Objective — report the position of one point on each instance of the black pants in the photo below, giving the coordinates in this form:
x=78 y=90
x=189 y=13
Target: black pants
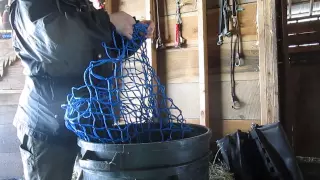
x=47 y=161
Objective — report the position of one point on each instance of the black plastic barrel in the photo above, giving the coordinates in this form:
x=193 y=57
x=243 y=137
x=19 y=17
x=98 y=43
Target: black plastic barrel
x=184 y=159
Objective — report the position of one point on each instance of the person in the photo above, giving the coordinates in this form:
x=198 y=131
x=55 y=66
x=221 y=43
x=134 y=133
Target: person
x=56 y=40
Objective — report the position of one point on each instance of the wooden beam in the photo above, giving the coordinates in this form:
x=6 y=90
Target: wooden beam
x=229 y=126
x=203 y=62
x=268 y=60
x=108 y=6
x=151 y=43
x=306 y=38
x=304 y=27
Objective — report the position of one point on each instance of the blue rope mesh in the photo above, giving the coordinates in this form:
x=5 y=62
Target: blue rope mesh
x=129 y=105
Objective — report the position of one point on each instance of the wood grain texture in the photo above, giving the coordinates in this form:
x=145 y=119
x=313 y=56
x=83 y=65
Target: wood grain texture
x=219 y=58
x=168 y=7
x=151 y=45
x=231 y=126
x=247 y=20
x=268 y=61
x=221 y=102
x=203 y=63
x=135 y=8
x=181 y=66
x=189 y=29
x=228 y=126
x=247 y=23
x=109 y=6
x=186 y=97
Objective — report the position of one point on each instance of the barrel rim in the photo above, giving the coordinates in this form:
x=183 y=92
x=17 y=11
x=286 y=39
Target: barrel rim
x=94 y=146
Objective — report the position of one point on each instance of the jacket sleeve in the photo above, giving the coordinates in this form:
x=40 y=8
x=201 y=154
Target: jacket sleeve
x=57 y=43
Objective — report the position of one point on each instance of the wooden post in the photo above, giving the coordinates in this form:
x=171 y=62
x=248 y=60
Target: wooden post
x=203 y=62
x=151 y=47
x=268 y=60
x=108 y=6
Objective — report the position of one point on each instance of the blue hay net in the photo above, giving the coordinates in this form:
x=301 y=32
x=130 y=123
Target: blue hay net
x=127 y=106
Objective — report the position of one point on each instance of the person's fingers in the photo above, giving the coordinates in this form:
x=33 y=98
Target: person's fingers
x=150 y=29
x=129 y=36
x=132 y=21
x=130 y=30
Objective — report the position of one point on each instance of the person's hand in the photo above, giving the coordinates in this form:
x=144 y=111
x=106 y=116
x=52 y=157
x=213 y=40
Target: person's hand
x=151 y=27
x=123 y=23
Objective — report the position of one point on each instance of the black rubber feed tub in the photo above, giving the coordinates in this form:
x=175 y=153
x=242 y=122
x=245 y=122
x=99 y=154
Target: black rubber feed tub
x=185 y=159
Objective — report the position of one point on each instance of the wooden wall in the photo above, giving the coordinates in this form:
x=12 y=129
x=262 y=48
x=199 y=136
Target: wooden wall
x=11 y=82
x=246 y=76
x=178 y=68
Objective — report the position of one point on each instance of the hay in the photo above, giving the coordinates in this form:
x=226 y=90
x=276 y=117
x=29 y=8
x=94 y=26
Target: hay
x=219 y=172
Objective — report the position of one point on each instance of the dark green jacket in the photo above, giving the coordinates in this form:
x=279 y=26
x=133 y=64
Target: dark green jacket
x=55 y=40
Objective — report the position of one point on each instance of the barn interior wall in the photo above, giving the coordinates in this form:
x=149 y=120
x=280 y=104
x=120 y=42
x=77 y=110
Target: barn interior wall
x=178 y=68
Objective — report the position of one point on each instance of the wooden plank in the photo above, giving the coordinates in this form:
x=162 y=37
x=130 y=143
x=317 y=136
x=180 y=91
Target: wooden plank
x=185 y=97
x=228 y=126
x=304 y=49
x=221 y=103
x=231 y=126
x=151 y=45
x=203 y=62
x=268 y=61
x=303 y=27
x=288 y=78
x=247 y=23
x=108 y=6
x=219 y=58
x=181 y=66
x=242 y=76
x=189 y=29
x=168 y=8
x=190 y=26
x=307 y=38
x=135 y=8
